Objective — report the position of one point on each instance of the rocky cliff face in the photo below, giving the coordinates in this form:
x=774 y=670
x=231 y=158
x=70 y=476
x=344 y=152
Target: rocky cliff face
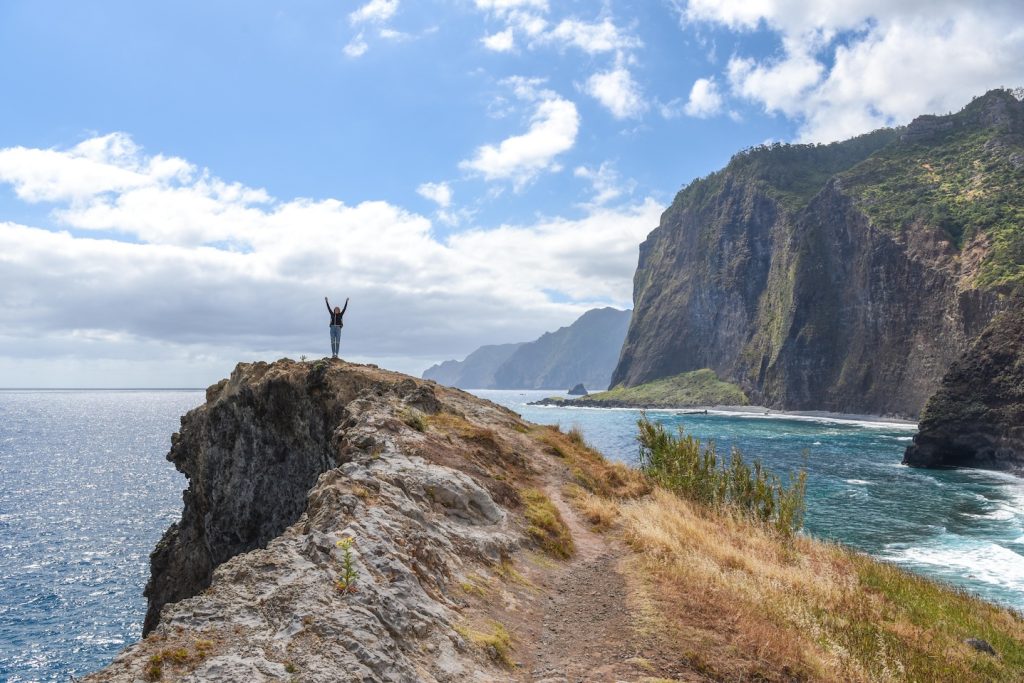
x=283 y=461
x=976 y=418
x=844 y=277
x=584 y=352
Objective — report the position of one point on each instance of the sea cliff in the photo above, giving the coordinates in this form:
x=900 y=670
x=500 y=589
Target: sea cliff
x=845 y=277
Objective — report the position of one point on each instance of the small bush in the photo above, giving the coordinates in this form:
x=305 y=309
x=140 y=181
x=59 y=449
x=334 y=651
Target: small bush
x=414 y=419
x=347 y=580
x=546 y=524
x=682 y=465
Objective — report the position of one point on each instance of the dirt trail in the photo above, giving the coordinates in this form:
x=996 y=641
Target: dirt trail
x=579 y=625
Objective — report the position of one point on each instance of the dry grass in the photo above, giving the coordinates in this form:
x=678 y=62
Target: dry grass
x=454 y=425
x=810 y=610
x=178 y=657
x=495 y=641
x=546 y=525
x=589 y=468
x=601 y=512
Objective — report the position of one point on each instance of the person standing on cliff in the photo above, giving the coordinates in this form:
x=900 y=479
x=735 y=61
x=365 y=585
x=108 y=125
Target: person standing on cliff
x=336 y=324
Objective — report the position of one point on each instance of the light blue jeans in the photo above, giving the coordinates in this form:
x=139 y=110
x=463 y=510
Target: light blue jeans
x=335 y=339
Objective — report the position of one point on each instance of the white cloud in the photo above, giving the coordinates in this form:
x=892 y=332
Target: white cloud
x=439 y=193
x=177 y=294
x=356 y=47
x=374 y=11
x=505 y=6
x=618 y=92
x=502 y=41
x=553 y=128
x=592 y=37
x=605 y=182
x=705 y=100
x=849 y=67
x=392 y=34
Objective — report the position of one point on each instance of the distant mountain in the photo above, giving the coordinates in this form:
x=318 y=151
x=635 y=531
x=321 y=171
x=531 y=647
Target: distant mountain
x=584 y=352
x=476 y=371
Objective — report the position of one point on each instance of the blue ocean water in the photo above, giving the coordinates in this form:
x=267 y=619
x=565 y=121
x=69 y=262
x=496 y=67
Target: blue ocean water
x=85 y=492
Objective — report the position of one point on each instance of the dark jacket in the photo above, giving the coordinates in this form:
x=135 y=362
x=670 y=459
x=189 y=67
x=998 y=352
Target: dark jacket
x=336 y=317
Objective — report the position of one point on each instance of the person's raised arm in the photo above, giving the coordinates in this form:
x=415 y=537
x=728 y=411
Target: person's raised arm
x=345 y=307
x=328 y=305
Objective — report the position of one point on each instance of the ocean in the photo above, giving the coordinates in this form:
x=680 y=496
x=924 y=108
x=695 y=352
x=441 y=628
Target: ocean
x=85 y=493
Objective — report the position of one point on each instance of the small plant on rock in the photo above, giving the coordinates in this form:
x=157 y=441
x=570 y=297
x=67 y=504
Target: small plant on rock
x=347 y=581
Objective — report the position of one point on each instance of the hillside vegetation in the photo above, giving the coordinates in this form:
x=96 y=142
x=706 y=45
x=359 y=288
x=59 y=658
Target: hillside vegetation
x=748 y=601
x=688 y=389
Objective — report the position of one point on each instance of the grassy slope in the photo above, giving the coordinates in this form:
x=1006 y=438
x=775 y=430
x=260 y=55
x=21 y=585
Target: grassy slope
x=696 y=388
x=749 y=604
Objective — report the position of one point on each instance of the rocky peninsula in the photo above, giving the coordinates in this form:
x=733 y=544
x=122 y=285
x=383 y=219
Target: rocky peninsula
x=346 y=523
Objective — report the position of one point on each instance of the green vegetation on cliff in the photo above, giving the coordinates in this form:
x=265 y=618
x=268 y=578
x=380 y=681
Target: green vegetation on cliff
x=962 y=173
x=688 y=389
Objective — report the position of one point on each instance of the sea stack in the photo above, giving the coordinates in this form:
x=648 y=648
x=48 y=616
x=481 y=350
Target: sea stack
x=976 y=418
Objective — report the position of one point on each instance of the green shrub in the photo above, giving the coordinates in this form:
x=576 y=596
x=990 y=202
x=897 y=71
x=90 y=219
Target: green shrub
x=694 y=471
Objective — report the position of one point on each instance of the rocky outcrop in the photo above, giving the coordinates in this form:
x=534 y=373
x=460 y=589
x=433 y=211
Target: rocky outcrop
x=844 y=277
x=578 y=390
x=583 y=352
x=287 y=459
x=976 y=418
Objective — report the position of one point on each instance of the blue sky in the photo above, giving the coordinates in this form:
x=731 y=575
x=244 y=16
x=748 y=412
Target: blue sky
x=181 y=183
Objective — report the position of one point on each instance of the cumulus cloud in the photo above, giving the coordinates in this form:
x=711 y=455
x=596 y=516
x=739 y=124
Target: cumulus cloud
x=214 y=270
x=705 y=100
x=618 y=92
x=439 y=193
x=502 y=41
x=374 y=11
x=553 y=128
x=845 y=68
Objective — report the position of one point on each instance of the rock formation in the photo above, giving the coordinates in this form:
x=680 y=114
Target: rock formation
x=578 y=390
x=584 y=352
x=844 y=277
x=976 y=418
x=286 y=459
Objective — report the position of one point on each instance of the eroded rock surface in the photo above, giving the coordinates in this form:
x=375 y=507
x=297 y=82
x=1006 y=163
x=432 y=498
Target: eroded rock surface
x=285 y=460
x=976 y=419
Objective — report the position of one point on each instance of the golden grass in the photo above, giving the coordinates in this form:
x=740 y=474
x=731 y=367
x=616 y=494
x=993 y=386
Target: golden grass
x=495 y=641
x=454 y=425
x=813 y=610
x=601 y=512
x=546 y=525
x=589 y=468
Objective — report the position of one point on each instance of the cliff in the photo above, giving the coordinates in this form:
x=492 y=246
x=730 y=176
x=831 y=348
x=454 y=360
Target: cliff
x=443 y=539
x=976 y=418
x=844 y=277
x=584 y=352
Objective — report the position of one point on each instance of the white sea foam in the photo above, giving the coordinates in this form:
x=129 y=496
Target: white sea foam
x=858 y=482
x=956 y=556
